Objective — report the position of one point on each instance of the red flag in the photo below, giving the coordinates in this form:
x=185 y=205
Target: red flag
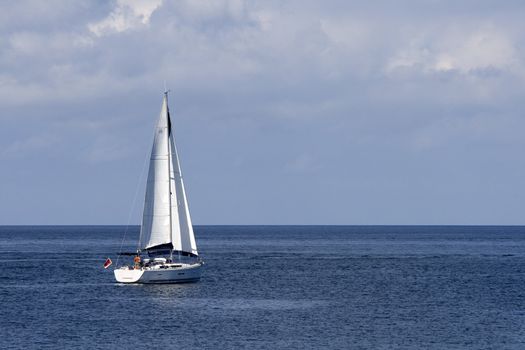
x=107 y=263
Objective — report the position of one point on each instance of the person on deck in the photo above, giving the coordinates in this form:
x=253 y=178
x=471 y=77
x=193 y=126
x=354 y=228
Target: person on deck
x=137 y=262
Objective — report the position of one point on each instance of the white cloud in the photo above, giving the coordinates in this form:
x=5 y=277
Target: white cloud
x=127 y=14
x=209 y=10
x=467 y=52
x=482 y=50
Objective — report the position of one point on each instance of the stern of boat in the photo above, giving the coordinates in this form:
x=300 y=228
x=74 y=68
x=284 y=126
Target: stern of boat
x=126 y=275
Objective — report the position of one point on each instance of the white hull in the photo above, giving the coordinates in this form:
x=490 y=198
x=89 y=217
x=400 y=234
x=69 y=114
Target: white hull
x=169 y=273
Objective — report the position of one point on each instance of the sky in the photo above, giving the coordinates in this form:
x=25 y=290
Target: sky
x=285 y=112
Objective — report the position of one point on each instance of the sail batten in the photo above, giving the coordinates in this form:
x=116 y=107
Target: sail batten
x=166 y=218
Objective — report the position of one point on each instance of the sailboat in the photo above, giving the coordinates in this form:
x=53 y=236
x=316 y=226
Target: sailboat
x=167 y=252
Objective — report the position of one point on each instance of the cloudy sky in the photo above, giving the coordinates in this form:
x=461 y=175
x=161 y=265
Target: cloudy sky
x=285 y=112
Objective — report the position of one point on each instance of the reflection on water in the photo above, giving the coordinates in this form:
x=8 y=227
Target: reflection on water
x=177 y=299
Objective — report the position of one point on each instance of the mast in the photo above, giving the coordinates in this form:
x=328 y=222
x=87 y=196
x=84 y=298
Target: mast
x=169 y=167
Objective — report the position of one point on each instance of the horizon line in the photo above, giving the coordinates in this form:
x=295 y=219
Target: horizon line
x=197 y=225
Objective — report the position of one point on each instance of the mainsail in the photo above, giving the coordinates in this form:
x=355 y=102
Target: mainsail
x=166 y=222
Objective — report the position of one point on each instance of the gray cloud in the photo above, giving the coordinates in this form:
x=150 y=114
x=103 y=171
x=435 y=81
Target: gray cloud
x=286 y=112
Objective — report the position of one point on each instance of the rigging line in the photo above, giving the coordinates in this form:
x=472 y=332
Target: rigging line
x=133 y=205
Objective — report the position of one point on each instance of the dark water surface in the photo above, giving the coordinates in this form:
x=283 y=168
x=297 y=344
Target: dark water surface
x=268 y=287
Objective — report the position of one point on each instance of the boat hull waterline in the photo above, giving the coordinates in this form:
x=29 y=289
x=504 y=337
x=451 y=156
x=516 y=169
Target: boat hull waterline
x=184 y=273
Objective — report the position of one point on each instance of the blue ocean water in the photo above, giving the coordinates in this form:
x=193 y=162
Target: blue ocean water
x=270 y=287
